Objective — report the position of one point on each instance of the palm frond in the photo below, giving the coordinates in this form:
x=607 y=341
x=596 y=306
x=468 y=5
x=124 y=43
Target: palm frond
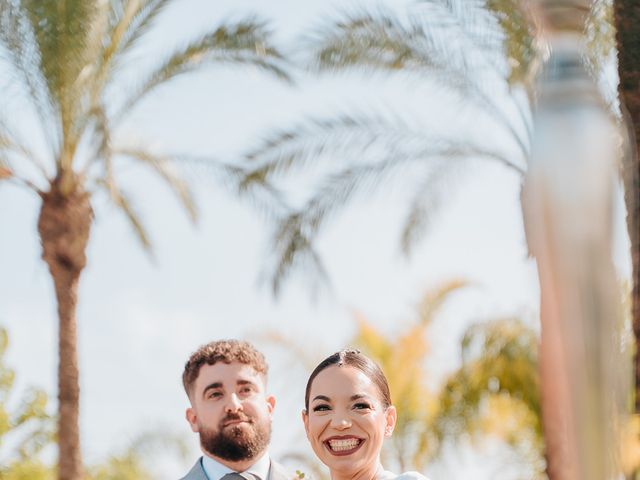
x=350 y=136
x=13 y=148
x=434 y=299
x=233 y=178
x=162 y=165
x=101 y=133
x=119 y=24
x=426 y=201
x=488 y=32
x=338 y=136
x=293 y=240
x=61 y=31
x=382 y=42
x=123 y=202
x=353 y=135
x=264 y=196
x=246 y=42
x=142 y=22
x=18 y=40
x=97 y=53
x=476 y=30
x=377 y=41
x=292 y=251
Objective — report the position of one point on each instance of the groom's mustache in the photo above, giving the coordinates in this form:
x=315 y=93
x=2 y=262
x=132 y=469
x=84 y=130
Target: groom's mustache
x=235 y=417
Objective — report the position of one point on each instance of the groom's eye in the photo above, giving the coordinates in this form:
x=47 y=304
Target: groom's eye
x=215 y=394
x=246 y=390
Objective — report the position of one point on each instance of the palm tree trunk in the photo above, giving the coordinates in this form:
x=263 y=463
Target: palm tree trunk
x=64 y=224
x=627 y=20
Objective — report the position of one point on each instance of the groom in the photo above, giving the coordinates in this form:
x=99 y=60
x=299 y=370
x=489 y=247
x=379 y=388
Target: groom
x=225 y=382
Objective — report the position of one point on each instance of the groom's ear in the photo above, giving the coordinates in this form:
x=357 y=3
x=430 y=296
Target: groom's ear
x=192 y=418
x=271 y=403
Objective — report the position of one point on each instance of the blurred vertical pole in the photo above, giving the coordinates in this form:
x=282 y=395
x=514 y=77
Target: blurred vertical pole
x=567 y=204
x=627 y=22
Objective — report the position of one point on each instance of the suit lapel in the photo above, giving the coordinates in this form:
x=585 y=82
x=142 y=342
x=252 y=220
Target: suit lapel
x=197 y=472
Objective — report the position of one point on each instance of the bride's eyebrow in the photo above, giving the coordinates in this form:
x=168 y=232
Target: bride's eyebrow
x=358 y=396
x=321 y=397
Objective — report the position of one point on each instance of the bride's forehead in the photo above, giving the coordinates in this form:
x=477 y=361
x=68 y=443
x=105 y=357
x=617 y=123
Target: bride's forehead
x=342 y=377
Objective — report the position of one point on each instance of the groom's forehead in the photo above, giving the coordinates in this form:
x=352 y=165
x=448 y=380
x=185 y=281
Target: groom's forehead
x=229 y=374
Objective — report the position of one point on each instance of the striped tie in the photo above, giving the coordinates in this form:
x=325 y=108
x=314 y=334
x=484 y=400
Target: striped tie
x=240 y=476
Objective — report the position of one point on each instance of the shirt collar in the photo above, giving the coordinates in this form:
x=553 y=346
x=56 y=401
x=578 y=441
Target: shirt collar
x=215 y=470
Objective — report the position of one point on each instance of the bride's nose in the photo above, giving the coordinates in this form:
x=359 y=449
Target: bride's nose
x=340 y=422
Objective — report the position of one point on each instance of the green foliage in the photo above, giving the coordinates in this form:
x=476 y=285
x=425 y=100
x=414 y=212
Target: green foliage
x=29 y=428
x=520 y=47
x=600 y=32
x=123 y=467
x=24 y=424
x=132 y=462
x=27 y=470
x=494 y=392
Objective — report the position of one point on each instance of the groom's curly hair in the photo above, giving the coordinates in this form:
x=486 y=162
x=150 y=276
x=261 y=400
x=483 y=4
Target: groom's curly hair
x=226 y=351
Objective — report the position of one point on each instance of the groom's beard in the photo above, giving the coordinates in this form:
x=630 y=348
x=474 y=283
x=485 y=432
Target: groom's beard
x=236 y=442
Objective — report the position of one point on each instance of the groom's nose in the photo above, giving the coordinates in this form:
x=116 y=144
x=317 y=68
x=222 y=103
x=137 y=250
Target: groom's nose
x=233 y=403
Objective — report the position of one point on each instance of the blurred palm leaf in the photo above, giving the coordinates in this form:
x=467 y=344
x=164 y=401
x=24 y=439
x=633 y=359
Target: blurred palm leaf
x=460 y=45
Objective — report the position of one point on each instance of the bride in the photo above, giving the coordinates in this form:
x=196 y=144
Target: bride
x=348 y=414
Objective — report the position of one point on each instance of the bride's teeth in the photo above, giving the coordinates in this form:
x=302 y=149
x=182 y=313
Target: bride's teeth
x=342 y=445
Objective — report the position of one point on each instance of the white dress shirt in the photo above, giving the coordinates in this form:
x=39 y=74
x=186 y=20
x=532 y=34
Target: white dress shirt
x=215 y=470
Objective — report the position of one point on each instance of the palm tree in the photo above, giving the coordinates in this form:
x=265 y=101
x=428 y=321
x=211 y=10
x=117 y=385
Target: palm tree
x=67 y=57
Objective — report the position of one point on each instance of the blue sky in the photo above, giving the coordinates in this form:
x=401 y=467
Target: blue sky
x=139 y=320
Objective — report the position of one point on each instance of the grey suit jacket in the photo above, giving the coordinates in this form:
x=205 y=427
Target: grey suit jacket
x=276 y=472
